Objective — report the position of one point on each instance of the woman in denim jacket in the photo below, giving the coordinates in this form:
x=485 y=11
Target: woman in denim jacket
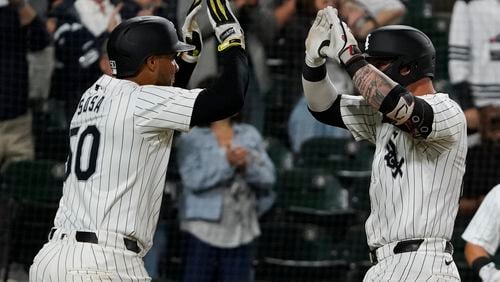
x=227 y=180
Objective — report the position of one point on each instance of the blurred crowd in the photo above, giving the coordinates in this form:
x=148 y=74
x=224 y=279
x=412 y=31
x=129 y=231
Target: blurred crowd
x=52 y=50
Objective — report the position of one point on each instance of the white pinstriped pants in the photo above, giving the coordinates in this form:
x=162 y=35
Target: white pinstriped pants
x=428 y=263
x=64 y=259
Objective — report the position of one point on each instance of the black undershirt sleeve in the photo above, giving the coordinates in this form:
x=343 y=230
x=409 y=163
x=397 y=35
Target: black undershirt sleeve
x=225 y=97
x=184 y=74
x=331 y=116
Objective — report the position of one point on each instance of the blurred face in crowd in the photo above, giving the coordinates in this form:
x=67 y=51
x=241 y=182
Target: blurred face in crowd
x=321 y=4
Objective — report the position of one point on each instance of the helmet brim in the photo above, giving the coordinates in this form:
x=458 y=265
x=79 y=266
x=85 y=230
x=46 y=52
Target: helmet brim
x=183 y=47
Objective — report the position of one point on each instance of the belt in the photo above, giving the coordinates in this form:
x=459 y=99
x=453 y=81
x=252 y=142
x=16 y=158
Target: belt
x=91 y=237
x=408 y=246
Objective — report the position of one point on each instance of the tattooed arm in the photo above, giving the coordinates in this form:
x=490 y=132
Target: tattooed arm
x=397 y=104
x=373 y=85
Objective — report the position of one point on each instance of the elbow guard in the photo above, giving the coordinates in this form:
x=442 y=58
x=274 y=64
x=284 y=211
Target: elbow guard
x=407 y=112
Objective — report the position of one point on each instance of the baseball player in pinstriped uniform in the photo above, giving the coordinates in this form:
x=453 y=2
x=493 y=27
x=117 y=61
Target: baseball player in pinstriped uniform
x=420 y=139
x=120 y=139
x=483 y=237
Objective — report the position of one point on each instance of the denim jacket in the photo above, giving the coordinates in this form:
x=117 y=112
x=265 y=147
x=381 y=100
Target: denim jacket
x=205 y=171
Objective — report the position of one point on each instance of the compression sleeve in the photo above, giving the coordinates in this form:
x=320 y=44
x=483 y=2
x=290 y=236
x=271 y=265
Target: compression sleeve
x=331 y=116
x=225 y=97
x=184 y=74
x=319 y=90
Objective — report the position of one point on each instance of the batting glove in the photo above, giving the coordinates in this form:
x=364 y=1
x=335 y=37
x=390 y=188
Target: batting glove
x=489 y=273
x=191 y=33
x=343 y=46
x=318 y=40
x=227 y=28
x=496 y=276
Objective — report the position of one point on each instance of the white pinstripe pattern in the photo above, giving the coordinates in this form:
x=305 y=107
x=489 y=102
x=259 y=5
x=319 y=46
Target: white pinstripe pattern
x=414 y=266
x=421 y=201
x=68 y=260
x=123 y=195
x=484 y=228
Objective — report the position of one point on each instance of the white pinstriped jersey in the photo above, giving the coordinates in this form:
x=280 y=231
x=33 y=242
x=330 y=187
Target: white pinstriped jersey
x=484 y=228
x=120 y=141
x=474 y=48
x=415 y=183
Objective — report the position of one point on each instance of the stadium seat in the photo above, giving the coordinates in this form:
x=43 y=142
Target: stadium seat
x=298 y=252
x=36 y=187
x=310 y=189
x=354 y=248
x=281 y=155
x=313 y=196
x=335 y=154
x=357 y=184
x=50 y=132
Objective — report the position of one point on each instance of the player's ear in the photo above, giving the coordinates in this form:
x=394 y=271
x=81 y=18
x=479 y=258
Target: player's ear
x=152 y=63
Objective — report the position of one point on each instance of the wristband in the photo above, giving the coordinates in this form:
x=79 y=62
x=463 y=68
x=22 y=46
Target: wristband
x=354 y=64
x=480 y=262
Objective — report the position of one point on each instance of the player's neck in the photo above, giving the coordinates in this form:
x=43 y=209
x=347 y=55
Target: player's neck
x=421 y=87
x=221 y=124
x=142 y=78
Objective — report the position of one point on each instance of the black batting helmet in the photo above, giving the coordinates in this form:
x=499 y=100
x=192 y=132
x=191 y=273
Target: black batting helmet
x=135 y=39
x=406 y=47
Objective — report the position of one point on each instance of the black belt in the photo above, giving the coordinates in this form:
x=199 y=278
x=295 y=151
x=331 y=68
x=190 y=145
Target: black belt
x=91 y=237
x=408 y=246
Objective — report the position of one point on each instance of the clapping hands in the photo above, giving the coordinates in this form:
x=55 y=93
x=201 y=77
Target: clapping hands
x=330 y=37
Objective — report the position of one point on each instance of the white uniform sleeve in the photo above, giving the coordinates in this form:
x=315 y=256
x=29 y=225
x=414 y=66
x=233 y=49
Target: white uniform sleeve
x=449 y=122
x=459 y=43
x=359 y=117
x=163 y=107
x=484 y=228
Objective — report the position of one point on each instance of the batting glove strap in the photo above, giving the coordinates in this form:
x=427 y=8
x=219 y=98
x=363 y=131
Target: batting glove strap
x=354 y=64
x=231 y=42
x=226 y=27
x=229 y=35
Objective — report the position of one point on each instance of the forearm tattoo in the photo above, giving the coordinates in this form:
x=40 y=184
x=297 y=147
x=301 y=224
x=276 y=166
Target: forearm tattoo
x=373 y=85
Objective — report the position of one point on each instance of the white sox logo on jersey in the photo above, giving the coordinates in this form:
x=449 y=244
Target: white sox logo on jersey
x=391 y=158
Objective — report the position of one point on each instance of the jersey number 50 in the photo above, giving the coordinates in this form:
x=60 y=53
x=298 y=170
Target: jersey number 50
x=90 y=131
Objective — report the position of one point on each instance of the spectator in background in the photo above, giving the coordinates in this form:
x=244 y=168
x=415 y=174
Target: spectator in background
x=363 y=16
x=96 y=15
x=227 y=178
x=482 y=237
x=286 y=52
x=303 y=126
x=134 y=8
x=77 y=48
x=260 y=27
x=20 y=31
x=474 y=69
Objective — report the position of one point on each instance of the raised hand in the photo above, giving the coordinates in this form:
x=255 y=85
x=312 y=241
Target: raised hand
x=318 y=39
x=343 y=46
x=227 y=28
x=191 y=33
